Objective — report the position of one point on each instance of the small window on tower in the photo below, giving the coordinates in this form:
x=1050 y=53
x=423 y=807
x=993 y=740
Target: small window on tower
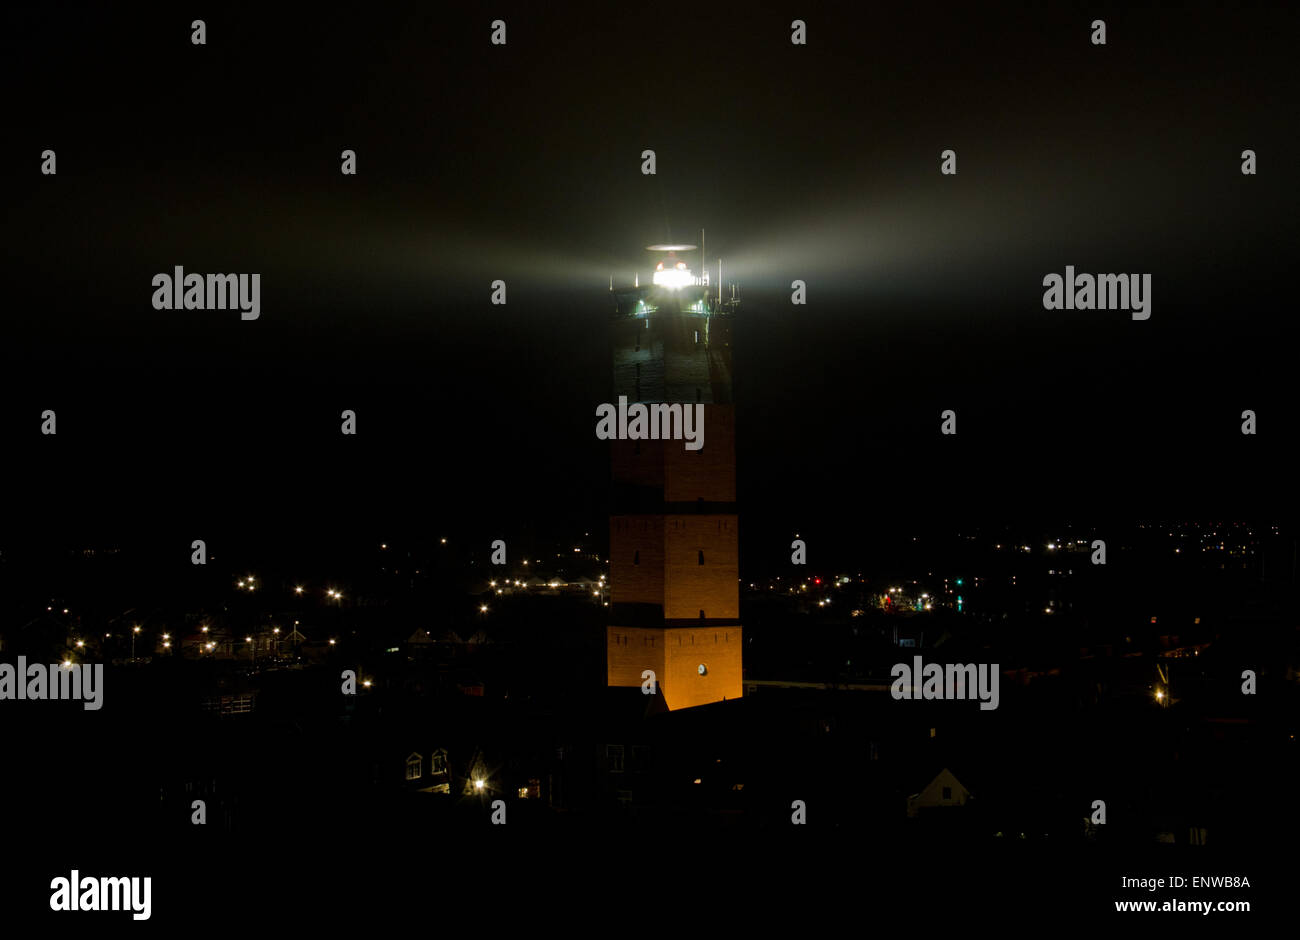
x=636 y=558
x=693 y=635
x=701 y=556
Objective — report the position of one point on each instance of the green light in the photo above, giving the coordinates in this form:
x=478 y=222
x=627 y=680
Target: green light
x=959 y=582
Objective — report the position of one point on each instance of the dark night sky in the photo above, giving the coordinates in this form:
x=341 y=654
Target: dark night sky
x=478 y=162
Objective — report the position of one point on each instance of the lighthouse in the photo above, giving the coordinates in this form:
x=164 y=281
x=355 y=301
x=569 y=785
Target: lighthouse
x=674 y=551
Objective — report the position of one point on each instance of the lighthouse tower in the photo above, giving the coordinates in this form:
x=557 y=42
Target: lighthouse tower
x=675 y=598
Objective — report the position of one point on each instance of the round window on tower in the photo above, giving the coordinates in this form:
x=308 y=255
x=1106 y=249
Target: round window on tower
x=703 y=671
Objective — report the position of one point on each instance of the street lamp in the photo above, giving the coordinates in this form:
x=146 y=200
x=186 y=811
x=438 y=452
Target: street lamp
x=134 y=631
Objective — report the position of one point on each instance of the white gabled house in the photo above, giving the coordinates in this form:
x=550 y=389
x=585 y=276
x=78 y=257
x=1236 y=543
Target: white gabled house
x=944 y=790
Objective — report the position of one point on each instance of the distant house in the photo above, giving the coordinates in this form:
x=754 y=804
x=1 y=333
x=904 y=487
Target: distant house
x=429 y=773
x=944 y=790
x=241 y=703
x=421 y=637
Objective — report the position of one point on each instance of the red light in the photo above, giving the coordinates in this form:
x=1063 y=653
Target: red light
x=817 y=580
